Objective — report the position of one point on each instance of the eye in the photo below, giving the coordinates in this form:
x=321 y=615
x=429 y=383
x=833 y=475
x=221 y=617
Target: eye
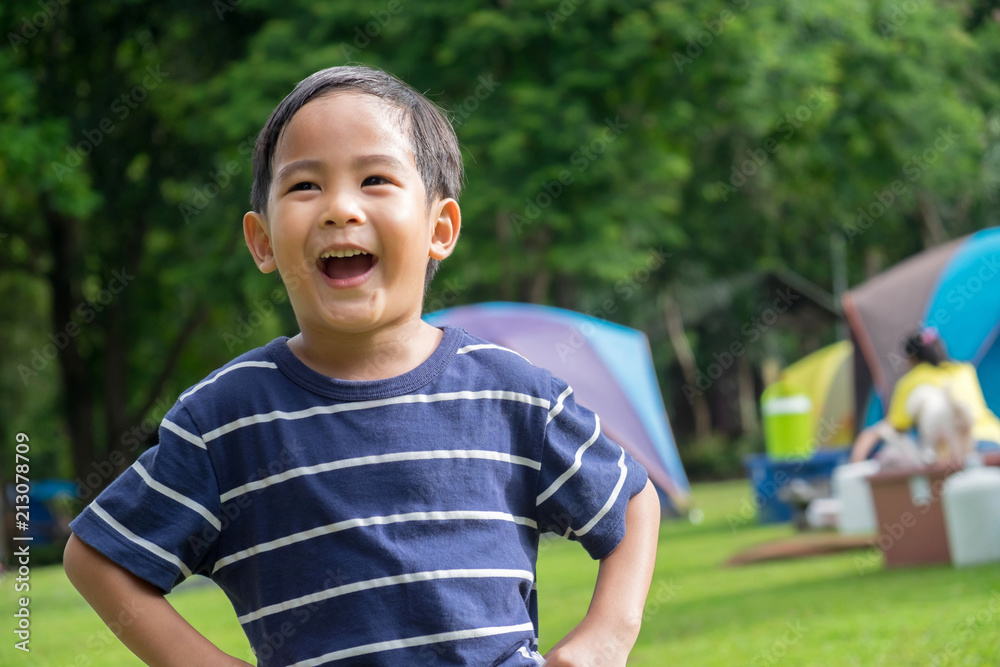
x=375 y=180
x=304 y=185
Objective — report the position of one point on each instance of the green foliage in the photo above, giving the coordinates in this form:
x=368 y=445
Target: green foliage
x=718 y=456
x=729 y=135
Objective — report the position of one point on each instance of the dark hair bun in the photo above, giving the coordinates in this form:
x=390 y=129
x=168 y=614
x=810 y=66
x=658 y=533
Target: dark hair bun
x=925 y=345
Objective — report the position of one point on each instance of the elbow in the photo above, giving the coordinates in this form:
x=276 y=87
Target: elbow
x=75 y=560
x=69 y=560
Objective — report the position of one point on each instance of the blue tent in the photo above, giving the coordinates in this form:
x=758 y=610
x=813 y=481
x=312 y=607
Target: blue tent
x=954 y=287
x=609 y=367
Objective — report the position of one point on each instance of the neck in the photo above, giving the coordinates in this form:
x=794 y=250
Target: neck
x=372 y=355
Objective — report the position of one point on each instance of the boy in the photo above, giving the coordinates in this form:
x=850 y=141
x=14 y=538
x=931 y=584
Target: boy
x=372 y=490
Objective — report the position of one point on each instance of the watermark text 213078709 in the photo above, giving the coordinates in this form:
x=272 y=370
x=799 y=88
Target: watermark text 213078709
x=22 y=555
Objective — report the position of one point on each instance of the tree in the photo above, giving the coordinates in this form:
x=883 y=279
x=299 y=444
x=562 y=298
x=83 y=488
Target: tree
x=615 y=151
x=91 y=141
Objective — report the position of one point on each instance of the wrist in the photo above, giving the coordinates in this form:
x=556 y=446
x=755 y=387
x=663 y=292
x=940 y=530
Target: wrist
x=604 y=636
x=618 y=628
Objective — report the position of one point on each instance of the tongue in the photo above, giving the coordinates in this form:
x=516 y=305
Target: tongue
x=340 y=268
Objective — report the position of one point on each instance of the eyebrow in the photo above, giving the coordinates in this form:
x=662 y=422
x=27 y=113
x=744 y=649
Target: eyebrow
x=375 y=160
x=295 y=166
x=360 y=162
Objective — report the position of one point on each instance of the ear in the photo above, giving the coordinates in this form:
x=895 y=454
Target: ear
x=446 y=226
x=259 y=241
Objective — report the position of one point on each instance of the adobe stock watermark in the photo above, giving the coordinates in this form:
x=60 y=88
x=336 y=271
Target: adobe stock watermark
x=201 y=196
x=556 y=520
x=985 y=620
x=625 y=288
x=447 y=295
x=121 y=108
x=892 y=532
x=87 y=310
x=769 y=489
x=779 y=648
x=665 y=592
x=99 y=640
x=30 y=26
x=562 y=12
x=232 y=508
x=751 y=330
x=239 y=334
x=302 y=613
x=706 y=37
x=913 y=170
x=105 y=470
x=461 y=111
x=223 y=7
x=292 y=277
x=898 y=14
x=581 y=158
x=740 y=174
x=364 y=35
x=958 y=298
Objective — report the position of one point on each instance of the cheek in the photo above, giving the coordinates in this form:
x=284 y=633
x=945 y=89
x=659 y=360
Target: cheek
x=292 y=265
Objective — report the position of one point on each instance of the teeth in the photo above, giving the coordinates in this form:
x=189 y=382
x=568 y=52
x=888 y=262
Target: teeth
x=350 y=252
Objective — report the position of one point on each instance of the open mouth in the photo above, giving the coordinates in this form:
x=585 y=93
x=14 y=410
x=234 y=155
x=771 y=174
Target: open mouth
x=346 y=265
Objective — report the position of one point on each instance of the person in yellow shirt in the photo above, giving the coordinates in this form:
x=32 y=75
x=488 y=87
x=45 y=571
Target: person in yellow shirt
x=931 y=367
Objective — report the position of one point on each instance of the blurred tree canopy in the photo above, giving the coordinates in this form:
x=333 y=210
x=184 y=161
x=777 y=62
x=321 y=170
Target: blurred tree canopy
x=622 y=157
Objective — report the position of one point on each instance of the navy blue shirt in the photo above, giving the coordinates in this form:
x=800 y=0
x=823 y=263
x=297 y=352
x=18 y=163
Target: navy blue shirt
x=385 y=522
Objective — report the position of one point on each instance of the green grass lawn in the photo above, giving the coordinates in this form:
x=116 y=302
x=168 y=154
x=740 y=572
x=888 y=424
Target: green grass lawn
x=833 y=610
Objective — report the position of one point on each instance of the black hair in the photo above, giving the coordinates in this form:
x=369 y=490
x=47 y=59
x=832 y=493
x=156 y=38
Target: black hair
x=925 y=345
x=432 y=138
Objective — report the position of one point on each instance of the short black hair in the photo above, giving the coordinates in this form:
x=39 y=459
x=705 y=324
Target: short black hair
x=925 y=345
x=432 y=138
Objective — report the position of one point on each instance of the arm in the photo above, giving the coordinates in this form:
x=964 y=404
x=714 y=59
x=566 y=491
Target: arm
x=609 y=630
x=865 y=443
x=137 y=612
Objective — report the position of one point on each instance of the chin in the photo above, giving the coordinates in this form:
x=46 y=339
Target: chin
x=352 y=324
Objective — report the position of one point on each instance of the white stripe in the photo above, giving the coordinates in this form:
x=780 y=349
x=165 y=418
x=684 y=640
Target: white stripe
x=154 y=549
x=558 y=407
x=577 y=462
x=451 y=515
x=190 y=437
x=182 y=499
x=487 y=346
x=432 y=575
x=376 y=403
x=378 y=459
x=242 y=364
x=410 y=642
x=611 y=501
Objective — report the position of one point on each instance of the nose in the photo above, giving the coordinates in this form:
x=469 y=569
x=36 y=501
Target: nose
x=343 y=208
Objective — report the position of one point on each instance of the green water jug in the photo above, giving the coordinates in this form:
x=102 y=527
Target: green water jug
x=788 y=421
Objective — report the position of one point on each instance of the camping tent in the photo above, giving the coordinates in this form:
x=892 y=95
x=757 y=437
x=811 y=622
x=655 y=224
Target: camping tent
x=954 y=287
x=827 y=377
x=608 y=365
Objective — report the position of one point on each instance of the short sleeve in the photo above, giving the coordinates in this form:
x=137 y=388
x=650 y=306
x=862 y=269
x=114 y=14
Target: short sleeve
x=586 y=479
x=160 y=518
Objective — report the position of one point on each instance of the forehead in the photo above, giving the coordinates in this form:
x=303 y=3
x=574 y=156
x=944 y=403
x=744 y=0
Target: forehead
x=345 y=123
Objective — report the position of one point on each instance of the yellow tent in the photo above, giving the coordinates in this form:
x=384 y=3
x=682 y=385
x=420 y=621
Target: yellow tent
x=827 y=376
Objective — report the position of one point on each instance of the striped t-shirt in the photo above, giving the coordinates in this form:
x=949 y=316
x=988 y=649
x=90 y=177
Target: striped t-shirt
x=385 y=522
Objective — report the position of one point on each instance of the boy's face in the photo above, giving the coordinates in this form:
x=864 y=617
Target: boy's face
x=345 y=182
